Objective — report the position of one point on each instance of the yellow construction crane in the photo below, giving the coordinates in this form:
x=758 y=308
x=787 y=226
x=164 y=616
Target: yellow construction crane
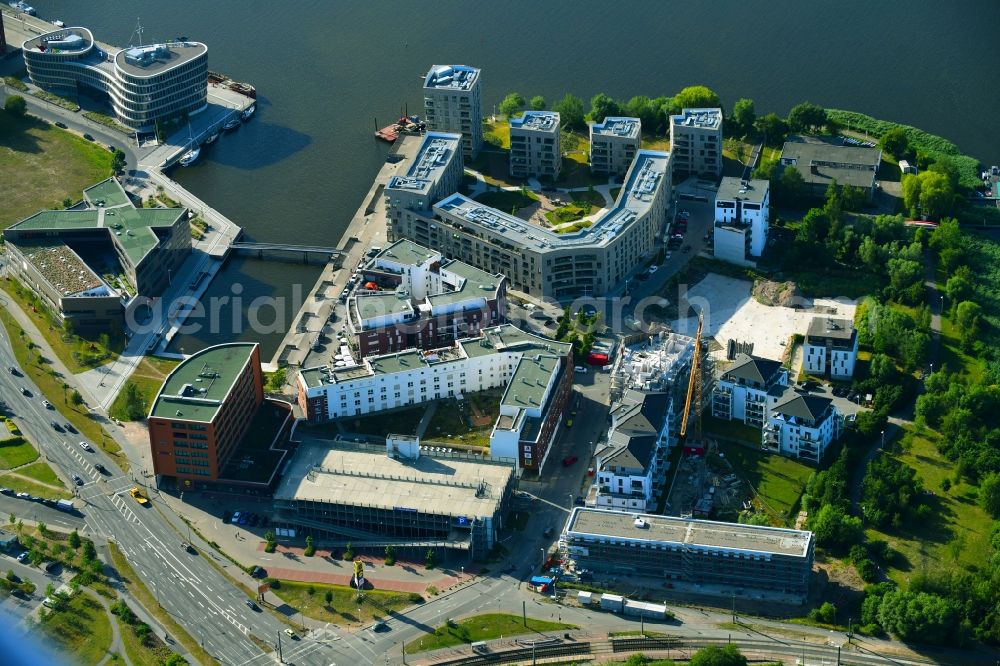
x=694 y=390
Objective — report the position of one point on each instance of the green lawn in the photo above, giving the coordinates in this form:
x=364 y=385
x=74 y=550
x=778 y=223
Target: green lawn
x=951 y=355
x=956 y=534
x=576 y=173
x=732 y=430
x=593 y=197
x=15 y=452
x=40 y=472
x=151 y=652
x=568 y=213
x=402 y=421
x=507 y=200
x=61 y=165
x=497 y=134
x=777 y=480
x=655 y=143
x=483 y=627
x=343 y=608
x=81 y=631
x=148 y=377
x=20 y=485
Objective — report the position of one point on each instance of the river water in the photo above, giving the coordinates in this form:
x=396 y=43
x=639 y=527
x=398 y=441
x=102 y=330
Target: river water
x=325 y=70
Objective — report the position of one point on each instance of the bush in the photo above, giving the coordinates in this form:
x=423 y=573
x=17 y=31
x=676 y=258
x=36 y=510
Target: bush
x=273 y=583
x=867 y=570
x=310 y=547
x=16 y=106
x=15 y=83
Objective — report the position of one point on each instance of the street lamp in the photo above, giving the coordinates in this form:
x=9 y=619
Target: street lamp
x=542 y=551
x=883 y=439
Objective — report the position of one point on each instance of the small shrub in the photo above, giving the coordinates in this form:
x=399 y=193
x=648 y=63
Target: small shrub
x=310 y=590
x=432 y=590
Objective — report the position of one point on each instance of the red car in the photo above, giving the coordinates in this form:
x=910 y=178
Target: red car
x=569 y=460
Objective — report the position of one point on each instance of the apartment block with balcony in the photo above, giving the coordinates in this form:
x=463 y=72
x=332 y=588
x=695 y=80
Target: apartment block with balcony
x=748 y=389
x=535 y=149
x=452 y=103
x=741 y=219
x=614 y=144
x=411 y=297
x=696 y=142
x=630 y=468
x=802 y=426
x=831 y=348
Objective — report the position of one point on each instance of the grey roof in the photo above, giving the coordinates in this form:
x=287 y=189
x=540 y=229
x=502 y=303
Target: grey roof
x=802 y=406
x=451 y=77
x=820 y=160
x=639 y=422
x=752 y=369
x=737 y=189
x=153 y=59
x=828 y=327
x=618 y=126
x=688 y=532
x=698 y=118
x=436 y=152
x=537 y=121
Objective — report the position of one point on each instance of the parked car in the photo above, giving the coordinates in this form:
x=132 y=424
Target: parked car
x=60 y=125
x=549 y=531
x=569 y=460
x=88 y=137
x=22 y=557
x=23 y=496
x=653 y=269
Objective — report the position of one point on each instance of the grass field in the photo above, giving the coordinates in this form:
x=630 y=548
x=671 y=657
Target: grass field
x=343 y=608
x=450 y=425
x=81 y=631
x=655 y=143
x=61 y=166
x=148 y=377
x=732 y=430
x=402 y=421
x=483 y=627
x=957 y=533
x=507 y=200
x=779 y=481
x=40 y=472
x=140 y=653
x=15 y=452
x=22 y=485
x=497 y=133
x=951 y=355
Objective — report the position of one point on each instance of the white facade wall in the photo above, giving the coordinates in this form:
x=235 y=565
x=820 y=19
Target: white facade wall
x=842 y=361
x=799 y=441
x=731 y=245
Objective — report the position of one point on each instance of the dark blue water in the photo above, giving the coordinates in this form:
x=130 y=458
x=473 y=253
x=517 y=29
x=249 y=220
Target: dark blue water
x=325 y=70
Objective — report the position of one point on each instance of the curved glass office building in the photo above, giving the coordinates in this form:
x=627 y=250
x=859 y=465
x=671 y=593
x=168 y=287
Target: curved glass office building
x=143 y=83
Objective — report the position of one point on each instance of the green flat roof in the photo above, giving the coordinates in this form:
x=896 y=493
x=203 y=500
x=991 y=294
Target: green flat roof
x=476 y=283
x=212 y=373
x=408 y=360
x=374 y=305
x=407 y=252
x=131 y=228
x=107 y=193
x=531 y=376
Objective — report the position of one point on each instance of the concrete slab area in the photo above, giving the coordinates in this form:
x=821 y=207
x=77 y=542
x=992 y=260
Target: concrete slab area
x=731 y=313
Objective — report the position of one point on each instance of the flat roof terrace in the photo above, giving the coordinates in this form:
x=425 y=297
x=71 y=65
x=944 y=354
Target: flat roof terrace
x=704 y=534
x=328 y=471
x=701 y=118
x=736 y=189
x=147 y=61
x=436 y=152
x=64 y=40
x=618 y=126
x=63 y=268
x=537 y=121
x=106 y=194
x=451 y=77
x=407 y=253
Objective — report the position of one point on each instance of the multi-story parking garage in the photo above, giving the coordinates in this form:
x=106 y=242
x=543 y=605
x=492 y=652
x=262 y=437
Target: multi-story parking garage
x=144 y=84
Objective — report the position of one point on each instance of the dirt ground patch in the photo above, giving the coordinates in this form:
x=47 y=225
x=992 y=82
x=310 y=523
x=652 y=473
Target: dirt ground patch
x=782 y=294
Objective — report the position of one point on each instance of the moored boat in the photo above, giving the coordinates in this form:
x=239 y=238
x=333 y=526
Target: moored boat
x=189 y=158
x=248 y=112
x=211 y=139
x=231 y=124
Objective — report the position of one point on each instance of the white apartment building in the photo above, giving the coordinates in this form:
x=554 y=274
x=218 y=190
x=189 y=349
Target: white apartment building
x=802 y=426
x=749 y=389
x=741 y=219
x=452 y=103
x=536 y=371
x=831 y=348
x=629 y=467
x=535 y=149
x=696 y=141
x=614 y=144
x=435 y=172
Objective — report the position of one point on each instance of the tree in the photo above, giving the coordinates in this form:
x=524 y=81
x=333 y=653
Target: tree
x=602 y=106
x=714 y=655
x=744 y=116
x=310 y=547
x=571 y=113
x=791 y=186
x=429 y=560
x=89 y=552
x=537 y=103
x=921 y=616
x=946 y=166
x=511 y=104
x=349 y=552
x=328 y=597
x=936 y=194
x=135 y=403
x=74 y=540
x=968 y=317
x=906 y=280
x=175 y=660
x=270 y=542
x=806 y=117
x=76 y=398
x=773 y=128
x=643 y=108
x=896 y=143
x=118 y=161
x=695 y=97
x=835 y=529
x=16 y=106
x=42 y=528
x=910 y=186
x=390 y=555
x=989 y=494
x=67 y=202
